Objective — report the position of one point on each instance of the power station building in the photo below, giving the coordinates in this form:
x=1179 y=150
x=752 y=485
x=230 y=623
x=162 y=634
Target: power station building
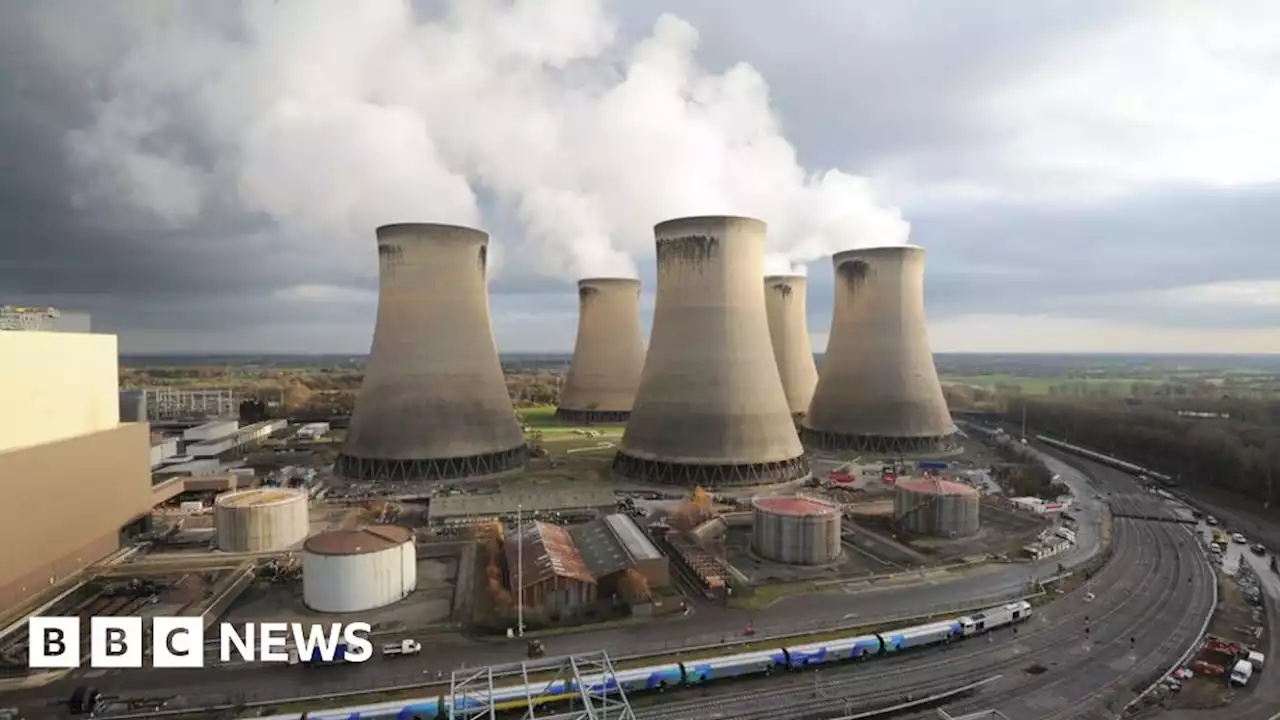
x=433 y=403
x=608 y=357
x=787 y=307
x=711 y=409
x=76 y=481
x=878 y=391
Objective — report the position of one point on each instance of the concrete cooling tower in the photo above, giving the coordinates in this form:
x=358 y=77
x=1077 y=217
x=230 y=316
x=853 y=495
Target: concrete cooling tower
x=609 y=355
x=879 y=390
x=433 y=404
x=711 y=410
x=784 y=299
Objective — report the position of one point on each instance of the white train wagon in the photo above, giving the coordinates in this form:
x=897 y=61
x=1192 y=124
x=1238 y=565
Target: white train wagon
x=921 y=635
x=761 y=662
x=828 y=651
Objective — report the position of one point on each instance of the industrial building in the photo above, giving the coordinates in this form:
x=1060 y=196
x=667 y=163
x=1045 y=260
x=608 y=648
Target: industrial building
x=261 y=519
x=75 y=480
x=613 y=544
x=787 y=307
x=711 y=409
x=796 y=530
x=162 y=449
x=878 y=391
x=587 y=500
x=345 y=571
x=547 y=565
x=211 y=431
x=238 y=437
x=433 y=403
x=608 y=356
x=937 y=507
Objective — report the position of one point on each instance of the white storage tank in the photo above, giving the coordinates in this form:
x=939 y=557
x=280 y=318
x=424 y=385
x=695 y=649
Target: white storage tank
x=260 y=519
x=353 y=570
x=797 y=530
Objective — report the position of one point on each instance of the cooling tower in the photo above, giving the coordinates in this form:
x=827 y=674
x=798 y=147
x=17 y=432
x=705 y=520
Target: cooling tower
x=784 y=299
x=433 y=404
x=879 y=391
x=609 y=355
x=710 y=410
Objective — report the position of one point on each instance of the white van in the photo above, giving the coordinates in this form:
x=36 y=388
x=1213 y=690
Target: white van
x=1241 y=673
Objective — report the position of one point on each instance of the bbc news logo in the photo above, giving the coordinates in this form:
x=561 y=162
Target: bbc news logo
x=179 y=642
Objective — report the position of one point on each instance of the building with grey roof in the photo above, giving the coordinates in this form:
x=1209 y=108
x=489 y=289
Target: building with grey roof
x=587 y=500
x=614 y=543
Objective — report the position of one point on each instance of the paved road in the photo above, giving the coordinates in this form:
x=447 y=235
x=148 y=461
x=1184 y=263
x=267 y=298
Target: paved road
x=707 y=626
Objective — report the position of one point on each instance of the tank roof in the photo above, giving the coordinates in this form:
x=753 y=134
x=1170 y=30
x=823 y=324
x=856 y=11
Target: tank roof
x=798 y=506
x=257 y=496
x=357 y=542
x=934 y=486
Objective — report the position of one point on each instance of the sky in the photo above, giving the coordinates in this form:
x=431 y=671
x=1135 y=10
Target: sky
x=1086 y=175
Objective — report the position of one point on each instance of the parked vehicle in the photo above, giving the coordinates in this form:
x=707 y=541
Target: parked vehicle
x=1258 y=549
x=403 y=647
x=1238 y=538
x=1241 y=673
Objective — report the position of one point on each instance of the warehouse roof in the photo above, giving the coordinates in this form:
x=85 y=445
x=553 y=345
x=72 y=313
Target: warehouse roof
x=357 y=542
x=528 y=498
x=548 y=552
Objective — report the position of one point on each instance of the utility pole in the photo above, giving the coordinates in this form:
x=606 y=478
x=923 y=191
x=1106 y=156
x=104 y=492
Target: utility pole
x=519 y=570
x=1024 y=418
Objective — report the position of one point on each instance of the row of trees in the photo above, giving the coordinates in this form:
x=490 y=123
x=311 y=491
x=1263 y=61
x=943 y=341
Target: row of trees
x=1234 y=454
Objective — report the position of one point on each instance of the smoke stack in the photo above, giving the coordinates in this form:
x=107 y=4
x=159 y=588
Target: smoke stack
x=784 y=299
x=711 y=410
x=609 y=355
x=879 y=390
x=434 y=403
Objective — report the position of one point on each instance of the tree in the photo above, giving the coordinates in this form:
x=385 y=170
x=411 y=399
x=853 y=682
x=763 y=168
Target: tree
x=634 y=587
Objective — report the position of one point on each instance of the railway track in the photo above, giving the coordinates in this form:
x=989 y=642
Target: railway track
x=1032 y=639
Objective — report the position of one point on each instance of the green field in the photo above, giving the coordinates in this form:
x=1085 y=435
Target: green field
x=1041 y=385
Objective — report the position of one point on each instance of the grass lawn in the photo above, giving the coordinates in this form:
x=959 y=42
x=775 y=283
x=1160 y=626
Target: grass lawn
x=1041 y=385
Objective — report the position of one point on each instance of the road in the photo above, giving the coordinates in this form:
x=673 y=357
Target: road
x=1147 y=607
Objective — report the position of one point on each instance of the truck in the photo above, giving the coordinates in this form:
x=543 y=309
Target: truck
x=403 y=647
x=317 y=660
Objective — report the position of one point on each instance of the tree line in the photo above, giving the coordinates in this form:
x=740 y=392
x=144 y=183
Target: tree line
x=1239 y=452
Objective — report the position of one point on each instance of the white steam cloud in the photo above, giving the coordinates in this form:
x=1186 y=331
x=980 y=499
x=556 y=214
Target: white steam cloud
x=332 y=118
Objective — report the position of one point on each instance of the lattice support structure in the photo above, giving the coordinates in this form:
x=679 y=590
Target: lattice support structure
x=879 y=444
x=690 y=475
x=582 y=688
x=592 y=417
x=170 y=403
x=356 y=468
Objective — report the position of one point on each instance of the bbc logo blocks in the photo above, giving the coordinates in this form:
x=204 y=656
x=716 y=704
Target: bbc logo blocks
x=116 y=642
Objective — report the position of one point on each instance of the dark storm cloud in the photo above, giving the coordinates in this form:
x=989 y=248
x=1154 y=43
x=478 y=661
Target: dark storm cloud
x=858 y=85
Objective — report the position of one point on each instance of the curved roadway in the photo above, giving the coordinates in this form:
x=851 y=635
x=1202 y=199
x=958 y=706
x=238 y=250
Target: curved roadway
x=1159 y=545
x=1148 y=606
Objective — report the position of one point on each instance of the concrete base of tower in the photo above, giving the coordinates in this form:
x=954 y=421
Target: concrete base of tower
x=455 y=468
x=592 y=417
x=878 y=444
x=691 y=475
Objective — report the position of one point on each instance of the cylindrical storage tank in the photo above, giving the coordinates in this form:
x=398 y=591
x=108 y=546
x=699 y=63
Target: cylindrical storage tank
x=941 y=508
x=796 y=530
x=433 y=403
x=608 y=356
x=353 y=570
x=710 y=410
x=260 y=519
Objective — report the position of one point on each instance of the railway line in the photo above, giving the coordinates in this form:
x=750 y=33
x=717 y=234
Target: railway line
x=1107 y=639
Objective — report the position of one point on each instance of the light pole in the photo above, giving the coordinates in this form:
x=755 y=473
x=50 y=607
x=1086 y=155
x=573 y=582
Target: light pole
x=519 y=570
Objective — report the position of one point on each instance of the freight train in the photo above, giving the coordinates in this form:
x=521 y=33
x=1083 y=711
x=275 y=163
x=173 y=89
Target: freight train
x=656 y=678
x=1137 y=470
